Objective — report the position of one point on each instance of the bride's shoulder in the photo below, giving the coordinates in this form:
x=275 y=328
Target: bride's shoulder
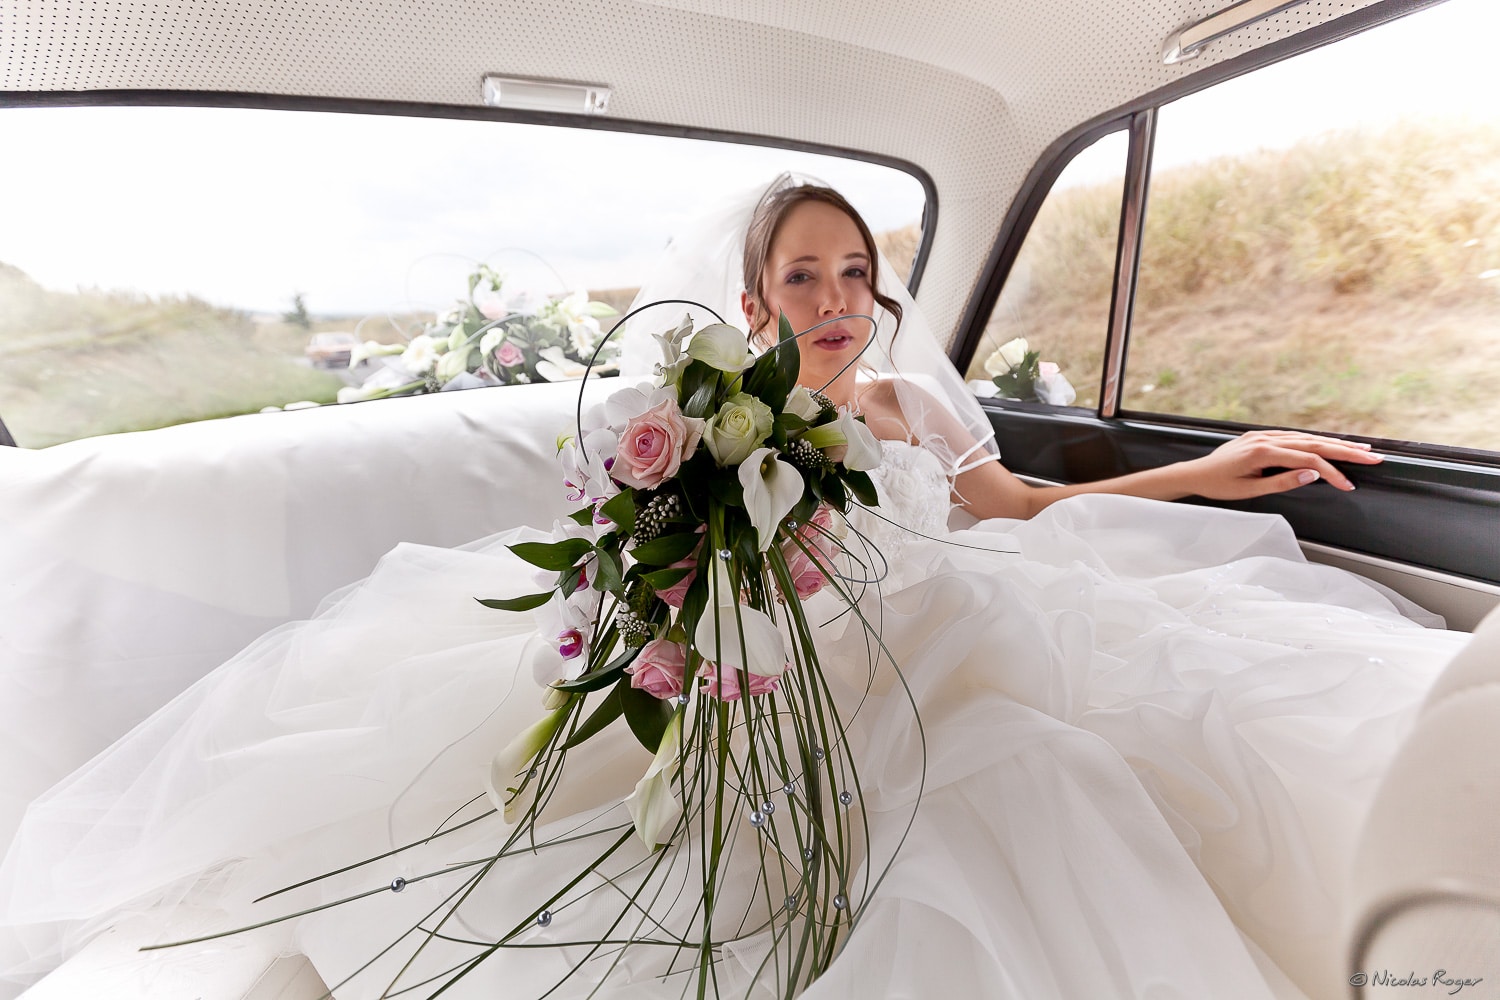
x=891 y=404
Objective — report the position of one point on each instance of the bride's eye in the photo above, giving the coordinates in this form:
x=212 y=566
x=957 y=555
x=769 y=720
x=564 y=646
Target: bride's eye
x=856 y=271
x=798 y=278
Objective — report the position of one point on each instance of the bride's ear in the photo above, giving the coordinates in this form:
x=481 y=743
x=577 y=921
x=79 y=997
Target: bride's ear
x=747 y=305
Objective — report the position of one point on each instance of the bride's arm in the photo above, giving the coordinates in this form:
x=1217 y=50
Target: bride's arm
x=1233 y=471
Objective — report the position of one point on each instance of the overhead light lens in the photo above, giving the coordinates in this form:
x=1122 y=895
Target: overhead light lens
x=546 y=95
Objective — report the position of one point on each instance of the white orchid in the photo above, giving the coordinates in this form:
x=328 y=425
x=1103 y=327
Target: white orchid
x=555 y=366
x=772 y=488
x=504 y=785
x=673 y=360
x=420 y=355
x=721 y=346
x=653 y=806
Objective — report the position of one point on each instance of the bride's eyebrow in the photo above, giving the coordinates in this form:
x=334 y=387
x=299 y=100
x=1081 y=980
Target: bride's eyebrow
x=814 y=258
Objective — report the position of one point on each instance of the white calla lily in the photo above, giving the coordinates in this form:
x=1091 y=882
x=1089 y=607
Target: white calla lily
x=721 y=346
x=509 y=764
x=653 y=806
x=772 y=488
x=864 y=451
x=717 y=638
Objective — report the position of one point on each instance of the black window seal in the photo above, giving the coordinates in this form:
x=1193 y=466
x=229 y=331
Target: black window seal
x=464 y=112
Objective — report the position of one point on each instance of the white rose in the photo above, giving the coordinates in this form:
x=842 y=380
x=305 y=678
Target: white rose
x=801 y=403
x=1009 y=356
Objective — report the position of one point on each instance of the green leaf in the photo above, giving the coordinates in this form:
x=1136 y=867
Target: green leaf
x=553 y=555
x=516 y=603
x=646 y=714
x=583 y=516
x=862 y=487
x=604 y=676
x=834 y=493
x=608 y=711
x=621 y=510
x=569 y=580
x=661 y=579
x=608 y=571
x=701 y=402
x=667 y=549
x=599 y=310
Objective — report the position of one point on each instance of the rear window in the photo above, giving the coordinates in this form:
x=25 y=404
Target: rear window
x=174 y=264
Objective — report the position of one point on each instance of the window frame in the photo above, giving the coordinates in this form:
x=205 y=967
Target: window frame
x=1138 y=119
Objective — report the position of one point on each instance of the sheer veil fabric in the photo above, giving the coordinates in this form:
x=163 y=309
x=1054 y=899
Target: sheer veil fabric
x=1151 y=732
x=703 y=264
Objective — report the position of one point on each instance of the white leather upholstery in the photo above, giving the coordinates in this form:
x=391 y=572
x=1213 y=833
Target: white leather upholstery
x=1426 y=878
x=131 y=565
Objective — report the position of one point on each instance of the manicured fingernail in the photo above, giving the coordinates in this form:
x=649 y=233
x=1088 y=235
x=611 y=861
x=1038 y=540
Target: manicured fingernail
x=1307 y=476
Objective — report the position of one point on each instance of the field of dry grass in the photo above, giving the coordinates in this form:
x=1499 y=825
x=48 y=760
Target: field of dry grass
x=1349 y=283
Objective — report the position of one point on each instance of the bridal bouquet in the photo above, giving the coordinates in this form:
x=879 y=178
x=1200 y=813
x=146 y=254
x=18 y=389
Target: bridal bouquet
x=489 y=338
x=1017 y=372
x=712 y=507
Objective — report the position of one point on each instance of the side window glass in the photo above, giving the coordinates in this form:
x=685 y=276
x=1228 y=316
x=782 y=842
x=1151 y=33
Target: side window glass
x=1045 y=338
x=240 y=260
x=1322 y=241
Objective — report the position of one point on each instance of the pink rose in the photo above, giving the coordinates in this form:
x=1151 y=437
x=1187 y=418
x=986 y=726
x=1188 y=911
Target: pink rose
x=677 y=593
x=658 y=668
x=807 y=578
x=1047 y=369
x=727 y=687
x=509 y=355
x=807 y=572
x=654 y=444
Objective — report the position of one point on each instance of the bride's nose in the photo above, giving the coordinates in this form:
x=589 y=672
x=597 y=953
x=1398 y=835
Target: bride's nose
x=833 y=302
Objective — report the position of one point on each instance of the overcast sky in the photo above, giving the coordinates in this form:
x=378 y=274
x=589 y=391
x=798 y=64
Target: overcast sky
x=365 y=214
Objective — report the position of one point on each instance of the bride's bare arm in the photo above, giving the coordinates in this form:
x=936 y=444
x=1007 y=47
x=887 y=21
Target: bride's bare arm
x=1233 y=471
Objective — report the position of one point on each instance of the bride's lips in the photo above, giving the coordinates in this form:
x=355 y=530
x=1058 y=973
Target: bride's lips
x=832 y=340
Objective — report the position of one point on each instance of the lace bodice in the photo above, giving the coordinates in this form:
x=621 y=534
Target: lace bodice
x=914 y=493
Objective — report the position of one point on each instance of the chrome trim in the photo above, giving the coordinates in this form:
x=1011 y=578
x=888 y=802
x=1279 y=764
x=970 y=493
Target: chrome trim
x=1127 y=258
x=1188 y=41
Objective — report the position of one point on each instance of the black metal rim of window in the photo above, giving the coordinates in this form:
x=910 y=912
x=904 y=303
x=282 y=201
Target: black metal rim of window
x=1138 y=119
x=295 y=102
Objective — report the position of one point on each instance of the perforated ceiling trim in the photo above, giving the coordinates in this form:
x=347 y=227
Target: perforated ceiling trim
x=973 y=90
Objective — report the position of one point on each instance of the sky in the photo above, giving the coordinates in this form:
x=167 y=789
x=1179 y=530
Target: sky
x=364 y=215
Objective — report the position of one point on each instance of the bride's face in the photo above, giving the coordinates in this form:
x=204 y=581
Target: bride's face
x=818 y=269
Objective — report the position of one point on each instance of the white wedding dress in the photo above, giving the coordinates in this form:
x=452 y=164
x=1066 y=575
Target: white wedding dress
x=1151 y=732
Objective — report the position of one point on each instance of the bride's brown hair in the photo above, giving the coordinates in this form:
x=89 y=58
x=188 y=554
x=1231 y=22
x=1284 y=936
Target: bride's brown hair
x=766 y=220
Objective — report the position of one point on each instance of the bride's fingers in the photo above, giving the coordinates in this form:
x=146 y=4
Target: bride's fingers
x=1333 y=448
x=1299 y=462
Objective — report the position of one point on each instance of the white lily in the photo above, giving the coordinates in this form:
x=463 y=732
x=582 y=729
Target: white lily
x=509 y=764
x=654 y=808
x=864 y=451
x=721 y=346
x=717 y=637
x=555 y=366
x=452 y=364
x=772 y=488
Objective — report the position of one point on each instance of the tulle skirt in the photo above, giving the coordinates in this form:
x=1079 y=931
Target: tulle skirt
x=1144 y=739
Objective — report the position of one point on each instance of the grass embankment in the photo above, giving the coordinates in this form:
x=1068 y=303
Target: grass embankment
x=1350 y=282
x=78 y=364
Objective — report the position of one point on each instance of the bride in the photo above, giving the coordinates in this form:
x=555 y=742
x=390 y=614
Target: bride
x=1151 y=731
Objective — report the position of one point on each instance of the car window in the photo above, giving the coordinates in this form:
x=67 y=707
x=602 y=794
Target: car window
x=172 y=264
x=1044 y=341
x=1322 y=241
